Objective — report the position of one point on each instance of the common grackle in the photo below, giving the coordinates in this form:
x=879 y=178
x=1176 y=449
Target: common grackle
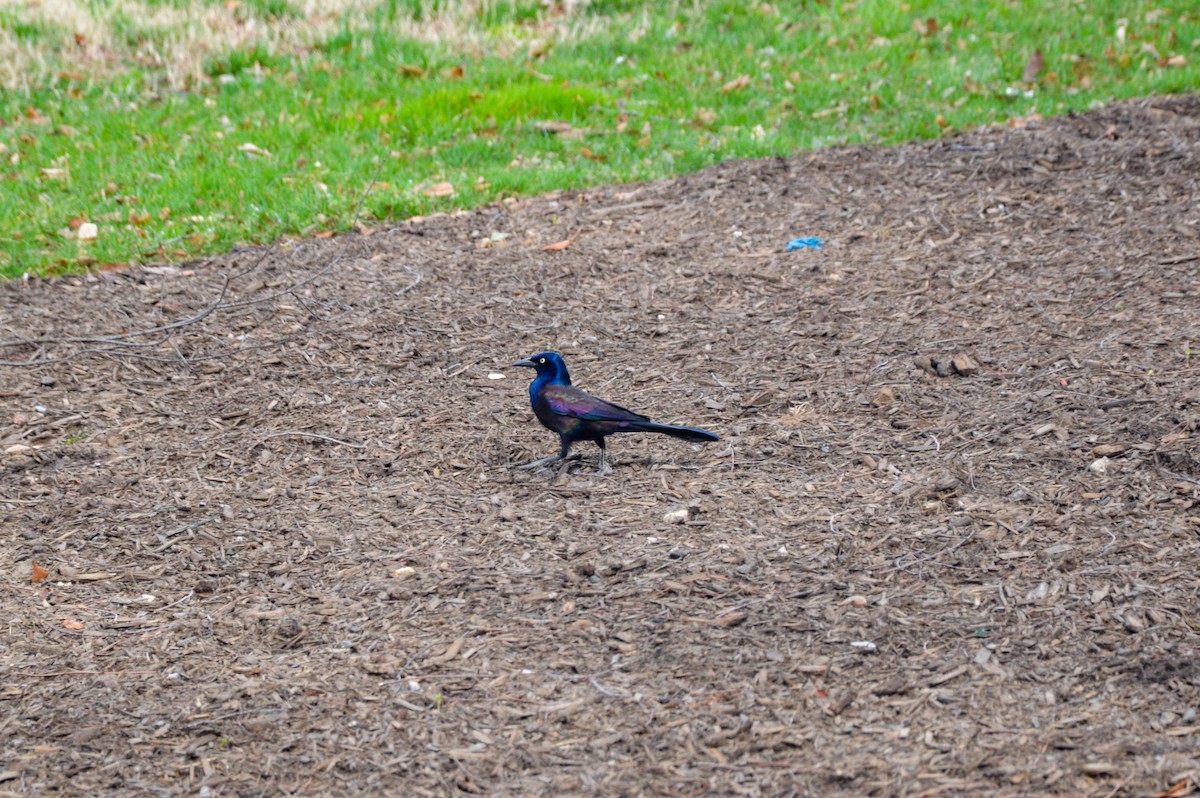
x=577 y=416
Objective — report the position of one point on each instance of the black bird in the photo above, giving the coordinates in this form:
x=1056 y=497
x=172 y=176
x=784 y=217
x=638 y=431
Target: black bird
x=577 y=416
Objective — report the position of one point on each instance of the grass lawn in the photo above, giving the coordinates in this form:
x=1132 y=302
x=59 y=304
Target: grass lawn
x=134 y=130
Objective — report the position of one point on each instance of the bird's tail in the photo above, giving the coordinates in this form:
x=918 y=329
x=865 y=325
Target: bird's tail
x=693 y=434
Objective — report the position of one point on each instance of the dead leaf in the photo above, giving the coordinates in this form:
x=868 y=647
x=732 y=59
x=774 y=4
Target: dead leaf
x=71 y=623
x=439 y=190
x=963 y=364
x=254 y=151
x=558 y=246
x=39 y=573
x=925 y=27
x=555 y=128
x=591 y=156
x=410 y=71
x=1033 y=67
x=454 y=73
x=704 y=117
x=884 y=398
x=450 y=653
x=1018 y=122
x=737 y=84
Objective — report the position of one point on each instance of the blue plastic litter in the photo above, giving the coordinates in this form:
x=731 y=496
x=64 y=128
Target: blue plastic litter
x=804 y=243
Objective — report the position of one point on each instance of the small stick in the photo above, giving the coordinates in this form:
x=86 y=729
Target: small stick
x=298 y=433
x=55 y=674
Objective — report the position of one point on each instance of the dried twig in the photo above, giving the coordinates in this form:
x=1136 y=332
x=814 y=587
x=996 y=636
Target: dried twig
x=56 y=674
x=301 y=434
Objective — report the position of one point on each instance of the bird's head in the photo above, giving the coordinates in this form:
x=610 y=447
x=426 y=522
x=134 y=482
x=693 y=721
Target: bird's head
x=550 y=367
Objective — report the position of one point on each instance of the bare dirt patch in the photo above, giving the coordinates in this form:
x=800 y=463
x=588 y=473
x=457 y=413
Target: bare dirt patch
x=948 y=545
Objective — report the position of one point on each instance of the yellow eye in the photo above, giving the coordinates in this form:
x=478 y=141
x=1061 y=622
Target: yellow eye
x=541 y=360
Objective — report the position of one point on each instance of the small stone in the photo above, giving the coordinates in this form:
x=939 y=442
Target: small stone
x=925 y=363
x=1106 y=449
x=676 y=516
x=508 y=513
x=1099 y=466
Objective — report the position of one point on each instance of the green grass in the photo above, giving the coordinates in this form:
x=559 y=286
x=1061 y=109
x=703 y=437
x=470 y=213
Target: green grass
x=374 y=108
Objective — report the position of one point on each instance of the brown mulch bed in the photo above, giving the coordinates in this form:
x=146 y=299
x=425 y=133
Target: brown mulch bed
x=949 y=543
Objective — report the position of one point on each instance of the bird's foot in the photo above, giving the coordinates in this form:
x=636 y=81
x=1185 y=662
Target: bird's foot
x=538 y=463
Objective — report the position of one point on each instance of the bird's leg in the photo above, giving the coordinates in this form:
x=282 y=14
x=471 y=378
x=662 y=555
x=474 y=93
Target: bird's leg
x=562 y=455
x=604 y=469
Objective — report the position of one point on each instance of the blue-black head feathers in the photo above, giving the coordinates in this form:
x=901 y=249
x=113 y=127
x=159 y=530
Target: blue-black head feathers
x=551 y=368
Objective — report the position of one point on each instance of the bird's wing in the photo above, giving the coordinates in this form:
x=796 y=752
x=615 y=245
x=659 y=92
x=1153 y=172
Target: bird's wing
x=567 y=400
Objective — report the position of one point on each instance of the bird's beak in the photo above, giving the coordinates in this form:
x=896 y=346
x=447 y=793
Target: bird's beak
x=525 y=362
